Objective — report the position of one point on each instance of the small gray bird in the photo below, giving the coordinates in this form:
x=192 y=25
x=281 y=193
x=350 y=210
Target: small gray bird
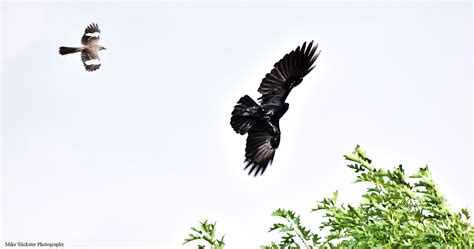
x=89 y=52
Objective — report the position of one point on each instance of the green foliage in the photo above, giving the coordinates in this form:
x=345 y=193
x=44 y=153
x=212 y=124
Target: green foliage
x=293 y=232
x=206 y=233
x=396 y=211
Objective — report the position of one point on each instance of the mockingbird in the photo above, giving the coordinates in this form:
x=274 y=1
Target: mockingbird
x=262 y=121
x=89 y=52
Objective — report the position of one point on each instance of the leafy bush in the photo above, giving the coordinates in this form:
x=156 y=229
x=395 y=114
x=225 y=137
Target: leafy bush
x=207 y=233
x=396 y=211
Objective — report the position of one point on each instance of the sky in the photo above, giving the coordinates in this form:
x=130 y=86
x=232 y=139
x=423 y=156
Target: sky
x=136 y=153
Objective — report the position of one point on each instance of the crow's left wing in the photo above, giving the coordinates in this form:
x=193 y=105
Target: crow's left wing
x=288 y=72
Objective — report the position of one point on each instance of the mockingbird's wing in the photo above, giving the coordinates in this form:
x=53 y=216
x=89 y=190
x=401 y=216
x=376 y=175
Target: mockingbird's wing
x=90 y=59
x=262 y=142
x=288 y=73
x=91 y=34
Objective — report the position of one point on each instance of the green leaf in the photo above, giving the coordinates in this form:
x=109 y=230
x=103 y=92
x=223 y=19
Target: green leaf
x=396 y=211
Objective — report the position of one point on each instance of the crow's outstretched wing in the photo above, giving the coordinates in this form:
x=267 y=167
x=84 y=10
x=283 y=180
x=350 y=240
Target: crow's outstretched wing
x=288 y=73
x=262 y=141
x=91 y=34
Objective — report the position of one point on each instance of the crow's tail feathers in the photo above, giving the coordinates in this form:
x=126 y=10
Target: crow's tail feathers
x=68 y=50
x=246 y=112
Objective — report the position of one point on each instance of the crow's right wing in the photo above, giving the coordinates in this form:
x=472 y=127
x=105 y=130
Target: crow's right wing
x=262 y=141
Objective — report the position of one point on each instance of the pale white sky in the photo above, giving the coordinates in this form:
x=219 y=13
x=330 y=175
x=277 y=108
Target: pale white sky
x=139 y=151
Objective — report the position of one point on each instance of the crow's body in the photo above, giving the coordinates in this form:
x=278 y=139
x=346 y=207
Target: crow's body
x=262 y=121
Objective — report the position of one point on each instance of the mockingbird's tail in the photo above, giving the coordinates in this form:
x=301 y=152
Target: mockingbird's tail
x=68 y=50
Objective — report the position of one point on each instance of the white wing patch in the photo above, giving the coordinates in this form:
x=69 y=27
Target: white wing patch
x=92 y=62
x=95 y=34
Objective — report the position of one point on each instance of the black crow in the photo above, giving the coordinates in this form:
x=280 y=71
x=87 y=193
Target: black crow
x=261 y=121
x=89 y=52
